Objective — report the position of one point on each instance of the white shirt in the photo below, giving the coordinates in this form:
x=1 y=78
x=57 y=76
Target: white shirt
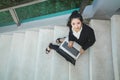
x=77 y=34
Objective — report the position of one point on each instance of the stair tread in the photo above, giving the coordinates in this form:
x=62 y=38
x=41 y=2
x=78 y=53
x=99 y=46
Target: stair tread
x=60 y=69
x=115 y=27
x=17 y=45
x=4 y=54
x=100 y=53
x=43 y=64
x=29 y=55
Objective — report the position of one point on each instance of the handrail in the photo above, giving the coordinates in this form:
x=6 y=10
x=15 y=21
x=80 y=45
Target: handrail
x=22 y=5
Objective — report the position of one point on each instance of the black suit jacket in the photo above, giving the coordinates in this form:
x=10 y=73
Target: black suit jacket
x=86 y=39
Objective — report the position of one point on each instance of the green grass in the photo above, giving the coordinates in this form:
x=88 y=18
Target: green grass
x=45 y=8
x=10 y=3
x=5 y=18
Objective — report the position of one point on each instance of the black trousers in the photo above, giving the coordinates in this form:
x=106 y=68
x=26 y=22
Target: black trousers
x=62 y=53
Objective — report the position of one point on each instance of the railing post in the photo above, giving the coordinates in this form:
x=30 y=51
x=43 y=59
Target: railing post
x=14 y=16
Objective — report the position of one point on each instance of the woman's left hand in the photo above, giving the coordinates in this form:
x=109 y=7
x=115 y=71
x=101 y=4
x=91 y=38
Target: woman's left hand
x=82 y=51
x=70 y=44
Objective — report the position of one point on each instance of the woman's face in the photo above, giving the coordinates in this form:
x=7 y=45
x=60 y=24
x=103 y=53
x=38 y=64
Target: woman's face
x=76 y=24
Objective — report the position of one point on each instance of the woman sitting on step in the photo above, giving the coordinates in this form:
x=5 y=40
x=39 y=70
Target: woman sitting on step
x=78 y=32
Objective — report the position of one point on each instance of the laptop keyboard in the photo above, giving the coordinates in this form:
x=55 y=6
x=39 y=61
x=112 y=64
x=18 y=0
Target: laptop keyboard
x=72 y=50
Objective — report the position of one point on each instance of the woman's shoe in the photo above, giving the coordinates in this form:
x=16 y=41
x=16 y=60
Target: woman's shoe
x=47 y=50
x=60 y=40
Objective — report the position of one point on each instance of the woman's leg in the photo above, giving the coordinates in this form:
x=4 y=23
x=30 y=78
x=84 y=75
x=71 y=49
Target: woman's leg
x=62 y=53
x=60 y=40
x=52 y=46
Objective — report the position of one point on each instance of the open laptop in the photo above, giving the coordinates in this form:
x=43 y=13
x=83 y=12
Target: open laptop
x=74 y=51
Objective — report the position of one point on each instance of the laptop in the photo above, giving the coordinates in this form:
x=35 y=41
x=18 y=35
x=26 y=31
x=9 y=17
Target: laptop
x=73 y=52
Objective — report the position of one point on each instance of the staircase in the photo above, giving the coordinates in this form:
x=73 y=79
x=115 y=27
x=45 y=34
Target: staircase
x=23 y=57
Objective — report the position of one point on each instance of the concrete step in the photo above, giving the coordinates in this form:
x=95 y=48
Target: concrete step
x=115 y=27
x=60 y=69
x=81 y=70
x=29 y=55
x=43 y=60
x=5 y=44
x=17 y=46
x=60 y=31
x=101 y=64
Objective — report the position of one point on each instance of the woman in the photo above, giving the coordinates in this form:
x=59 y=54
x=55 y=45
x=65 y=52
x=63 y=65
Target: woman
x=78 y=32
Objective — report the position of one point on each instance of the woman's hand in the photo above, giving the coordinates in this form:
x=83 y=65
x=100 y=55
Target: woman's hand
x=70 y=44
x=82 y=51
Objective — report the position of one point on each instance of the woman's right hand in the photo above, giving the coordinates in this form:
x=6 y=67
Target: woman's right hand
x=70 y=44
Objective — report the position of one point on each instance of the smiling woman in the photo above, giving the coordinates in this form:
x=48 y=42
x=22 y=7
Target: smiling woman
x=79 y=33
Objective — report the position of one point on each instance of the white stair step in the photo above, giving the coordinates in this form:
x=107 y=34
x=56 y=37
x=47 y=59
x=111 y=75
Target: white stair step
x=81 y=70
x=44 y=61
x=5 y=44
x=60 y=69
x=17 y=46
x=29 y=55
x=101 y=66
x=115 y=32
x=60 y=31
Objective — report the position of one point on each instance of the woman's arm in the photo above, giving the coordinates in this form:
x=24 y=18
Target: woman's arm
x=71 y=39
x=91 y=40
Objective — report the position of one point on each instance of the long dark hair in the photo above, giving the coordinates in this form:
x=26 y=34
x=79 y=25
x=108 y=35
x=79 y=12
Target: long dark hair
x=75 y=14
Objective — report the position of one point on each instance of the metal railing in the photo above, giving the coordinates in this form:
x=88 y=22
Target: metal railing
x=13 y=11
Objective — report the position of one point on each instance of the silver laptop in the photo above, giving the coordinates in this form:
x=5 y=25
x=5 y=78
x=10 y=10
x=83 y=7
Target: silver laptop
x=74 y=51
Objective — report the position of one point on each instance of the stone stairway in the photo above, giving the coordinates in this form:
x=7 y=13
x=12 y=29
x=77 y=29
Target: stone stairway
x=23 y=57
